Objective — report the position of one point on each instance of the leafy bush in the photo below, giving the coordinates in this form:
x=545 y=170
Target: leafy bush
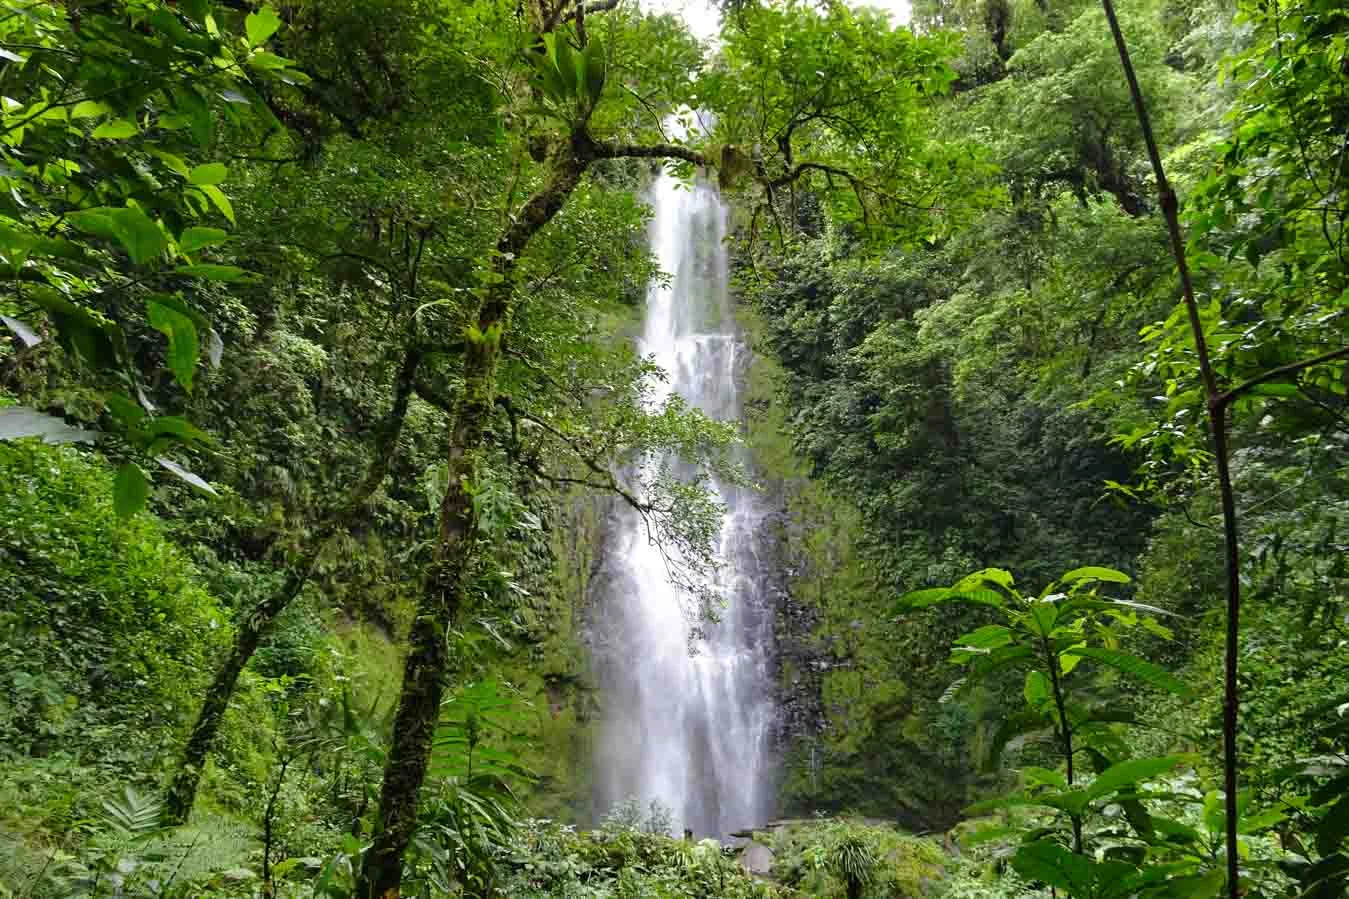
x=104 y=632
x=847 y=858
x=547 y=860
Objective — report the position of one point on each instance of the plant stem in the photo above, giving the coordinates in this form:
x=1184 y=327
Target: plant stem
x=1217 y=416
x=1065 y=729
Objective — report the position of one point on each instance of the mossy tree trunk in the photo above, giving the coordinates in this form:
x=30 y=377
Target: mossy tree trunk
x=441 y=601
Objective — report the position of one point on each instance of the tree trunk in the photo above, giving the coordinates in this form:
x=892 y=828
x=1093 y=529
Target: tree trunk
x=182 y=790
x=424 y=671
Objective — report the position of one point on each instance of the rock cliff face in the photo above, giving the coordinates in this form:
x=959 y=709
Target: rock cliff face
x=798 y=664
x=799 y=661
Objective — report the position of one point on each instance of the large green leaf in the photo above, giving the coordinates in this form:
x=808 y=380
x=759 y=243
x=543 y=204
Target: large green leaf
x=129 y=490
x=1056 y=866
x=222 y=202
x=184 y=347
x=177 y=428
x=920 y=599
x=208 y=173
x=1095 y=573
x=261 y=25
x=1133 y=666
x=81 y=331
x=198 y=237
x=213 y=272
x=116 y=129
x=990 y=636
x=138 y=234
x=999 y=576
x=1037 y=690
x=1042 y=618
x=1130 y=772
x=596 y=69
x=566 y=66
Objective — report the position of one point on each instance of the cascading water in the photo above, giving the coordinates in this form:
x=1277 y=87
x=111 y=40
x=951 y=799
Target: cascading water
x=688 y=724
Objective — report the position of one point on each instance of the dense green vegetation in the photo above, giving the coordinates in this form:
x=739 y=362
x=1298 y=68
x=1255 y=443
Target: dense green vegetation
x=317 y=389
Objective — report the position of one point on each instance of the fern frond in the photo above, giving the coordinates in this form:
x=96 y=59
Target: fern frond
x=133 y=816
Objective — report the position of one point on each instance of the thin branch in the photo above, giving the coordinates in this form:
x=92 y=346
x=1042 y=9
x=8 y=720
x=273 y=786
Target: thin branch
x=1217 y=415
x=433 y=395
x=1274 y=373
x=858 y=184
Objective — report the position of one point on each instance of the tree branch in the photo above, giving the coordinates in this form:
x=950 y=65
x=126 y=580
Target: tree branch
x=605 y=150
x=858 y=185
x=588 y=9
x=1293 y=368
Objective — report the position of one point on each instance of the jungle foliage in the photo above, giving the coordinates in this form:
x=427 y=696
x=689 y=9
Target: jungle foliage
x=317 y=386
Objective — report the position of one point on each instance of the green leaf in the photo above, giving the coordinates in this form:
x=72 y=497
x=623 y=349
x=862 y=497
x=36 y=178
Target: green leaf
x=550 y=82
x=1055 y=865
x=97 y=221
x=129 y=490
x=1198 y=886
x=198 y=237
x=138 y=234
x=174 y=162
x=566 y=66
x=208 y=173
x=998 y=659
x=221 y=201
x=1130 y=772
x=125 y=410
x=261 y=25
x=920 y=599
x=89 y=109
x=999 y=576
x=1045 y=776
x=183 y=345
x=82 y=332
x=116 y=129
x=1095 y=573
x=990 y=636
x=596 y=69
x=1037 y=689
x=1068 y=661
x=1133 y=666
x=1043 y=616
x=177 y=427
x=212 y=272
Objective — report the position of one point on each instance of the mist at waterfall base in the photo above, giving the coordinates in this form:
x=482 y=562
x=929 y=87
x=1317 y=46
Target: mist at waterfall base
x=687 y=722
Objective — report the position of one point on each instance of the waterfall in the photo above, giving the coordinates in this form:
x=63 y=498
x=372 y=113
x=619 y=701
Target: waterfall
x=687 y=723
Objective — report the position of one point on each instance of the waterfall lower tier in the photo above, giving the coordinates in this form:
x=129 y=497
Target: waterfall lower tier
x=687 y=722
